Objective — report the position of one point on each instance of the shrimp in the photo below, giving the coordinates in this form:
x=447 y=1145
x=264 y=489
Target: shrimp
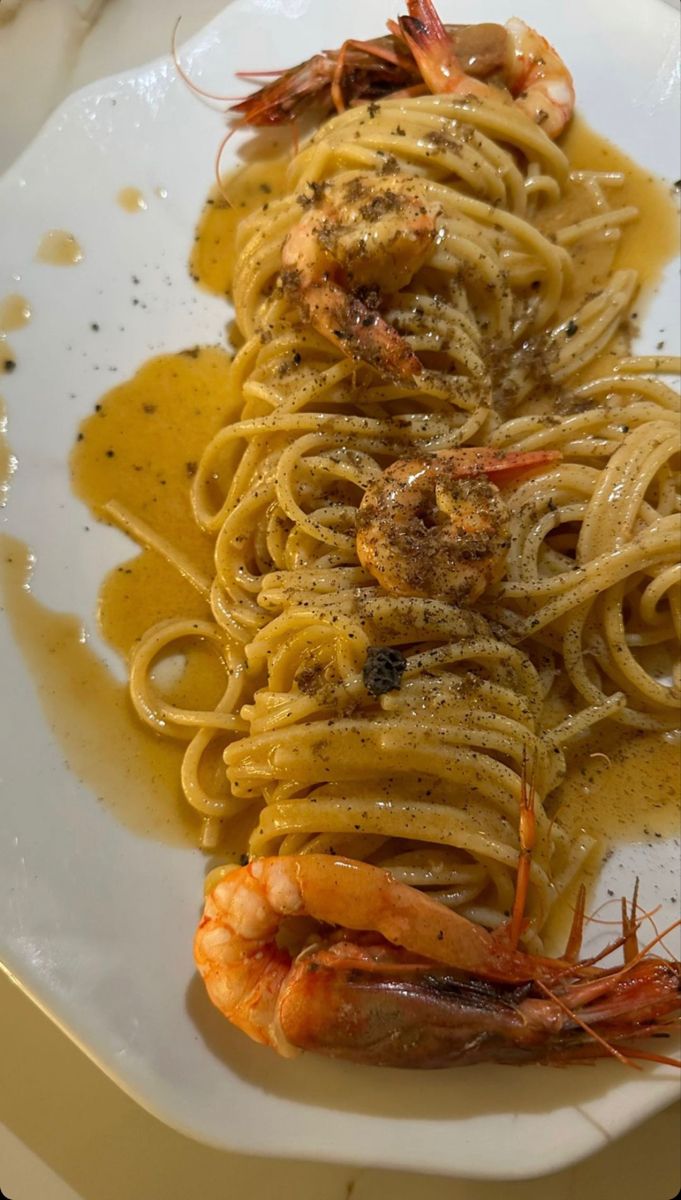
x=536 y=76
x=437 y=526
x=404 y=981
x=420 y=55
x=363 y=237
x=363 y=70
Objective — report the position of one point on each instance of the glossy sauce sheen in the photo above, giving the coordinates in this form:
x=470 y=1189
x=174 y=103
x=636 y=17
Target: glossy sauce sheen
x=59 y=249
x=652 y=240
x=122 y=762
x=131 y=200
x=6 y=460
x=140 y=447
x=212 y=260
x=15 y=312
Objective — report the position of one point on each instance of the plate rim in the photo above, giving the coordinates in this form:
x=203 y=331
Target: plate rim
x=10 y=178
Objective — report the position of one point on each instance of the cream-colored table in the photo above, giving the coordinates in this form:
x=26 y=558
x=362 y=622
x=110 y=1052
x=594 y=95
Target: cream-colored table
x=67 y=1132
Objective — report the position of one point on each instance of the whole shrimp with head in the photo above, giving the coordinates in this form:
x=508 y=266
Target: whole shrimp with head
x=403 y=981
x=361 y=238
x=438 y=526
x=423 y=55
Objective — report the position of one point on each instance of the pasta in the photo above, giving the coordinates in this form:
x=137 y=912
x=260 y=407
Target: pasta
x=523 y=348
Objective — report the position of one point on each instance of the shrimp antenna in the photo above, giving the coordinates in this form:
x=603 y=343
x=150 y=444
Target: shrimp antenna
x=609 y=1048
x=194 y=87
x=260 y=74
x=645 y=915
x=630 y=926
x=657 y=940
x=622 y=939
x=650 y=1056
x=218 y=159
x=574 y=942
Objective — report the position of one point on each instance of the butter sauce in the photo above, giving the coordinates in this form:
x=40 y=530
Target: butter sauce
x=15 y=312
x=140 y=447
x=58 y=248
x=131 y=200
x=123 y=764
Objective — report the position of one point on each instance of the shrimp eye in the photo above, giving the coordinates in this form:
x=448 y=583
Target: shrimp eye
x=383 y=670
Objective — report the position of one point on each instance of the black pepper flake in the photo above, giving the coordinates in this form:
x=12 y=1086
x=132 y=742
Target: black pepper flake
x=572 y=328
x=94 y=326
x=111 y=454
x=8 y=366
x=383 y=670
x=243 y=860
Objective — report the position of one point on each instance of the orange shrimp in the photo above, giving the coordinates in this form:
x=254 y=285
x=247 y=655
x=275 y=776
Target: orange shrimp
x=404 y=981
x=438 y=526
x=363 y=70
x=534 y=73
x=364 y=237
x=420 y=55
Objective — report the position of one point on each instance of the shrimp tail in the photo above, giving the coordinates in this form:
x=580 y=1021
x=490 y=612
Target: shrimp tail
x=433 y=50
x=360 y=332
x=425 y=34
x=503 y=466
x=538 y=78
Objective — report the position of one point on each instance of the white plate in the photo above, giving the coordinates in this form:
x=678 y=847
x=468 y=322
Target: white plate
x=97 y=922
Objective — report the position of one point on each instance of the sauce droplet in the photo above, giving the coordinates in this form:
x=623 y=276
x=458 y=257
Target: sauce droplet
x=15 y=312
x=59 y=249
x=132 y=200
x=8 y=462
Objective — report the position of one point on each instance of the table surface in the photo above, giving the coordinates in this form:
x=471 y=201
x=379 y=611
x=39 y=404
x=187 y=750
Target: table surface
x=66 y=1131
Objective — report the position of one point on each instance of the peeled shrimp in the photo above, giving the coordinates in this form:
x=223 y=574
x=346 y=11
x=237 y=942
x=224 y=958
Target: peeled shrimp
x=414 y=984
x=364 y=237
x=438 y=526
